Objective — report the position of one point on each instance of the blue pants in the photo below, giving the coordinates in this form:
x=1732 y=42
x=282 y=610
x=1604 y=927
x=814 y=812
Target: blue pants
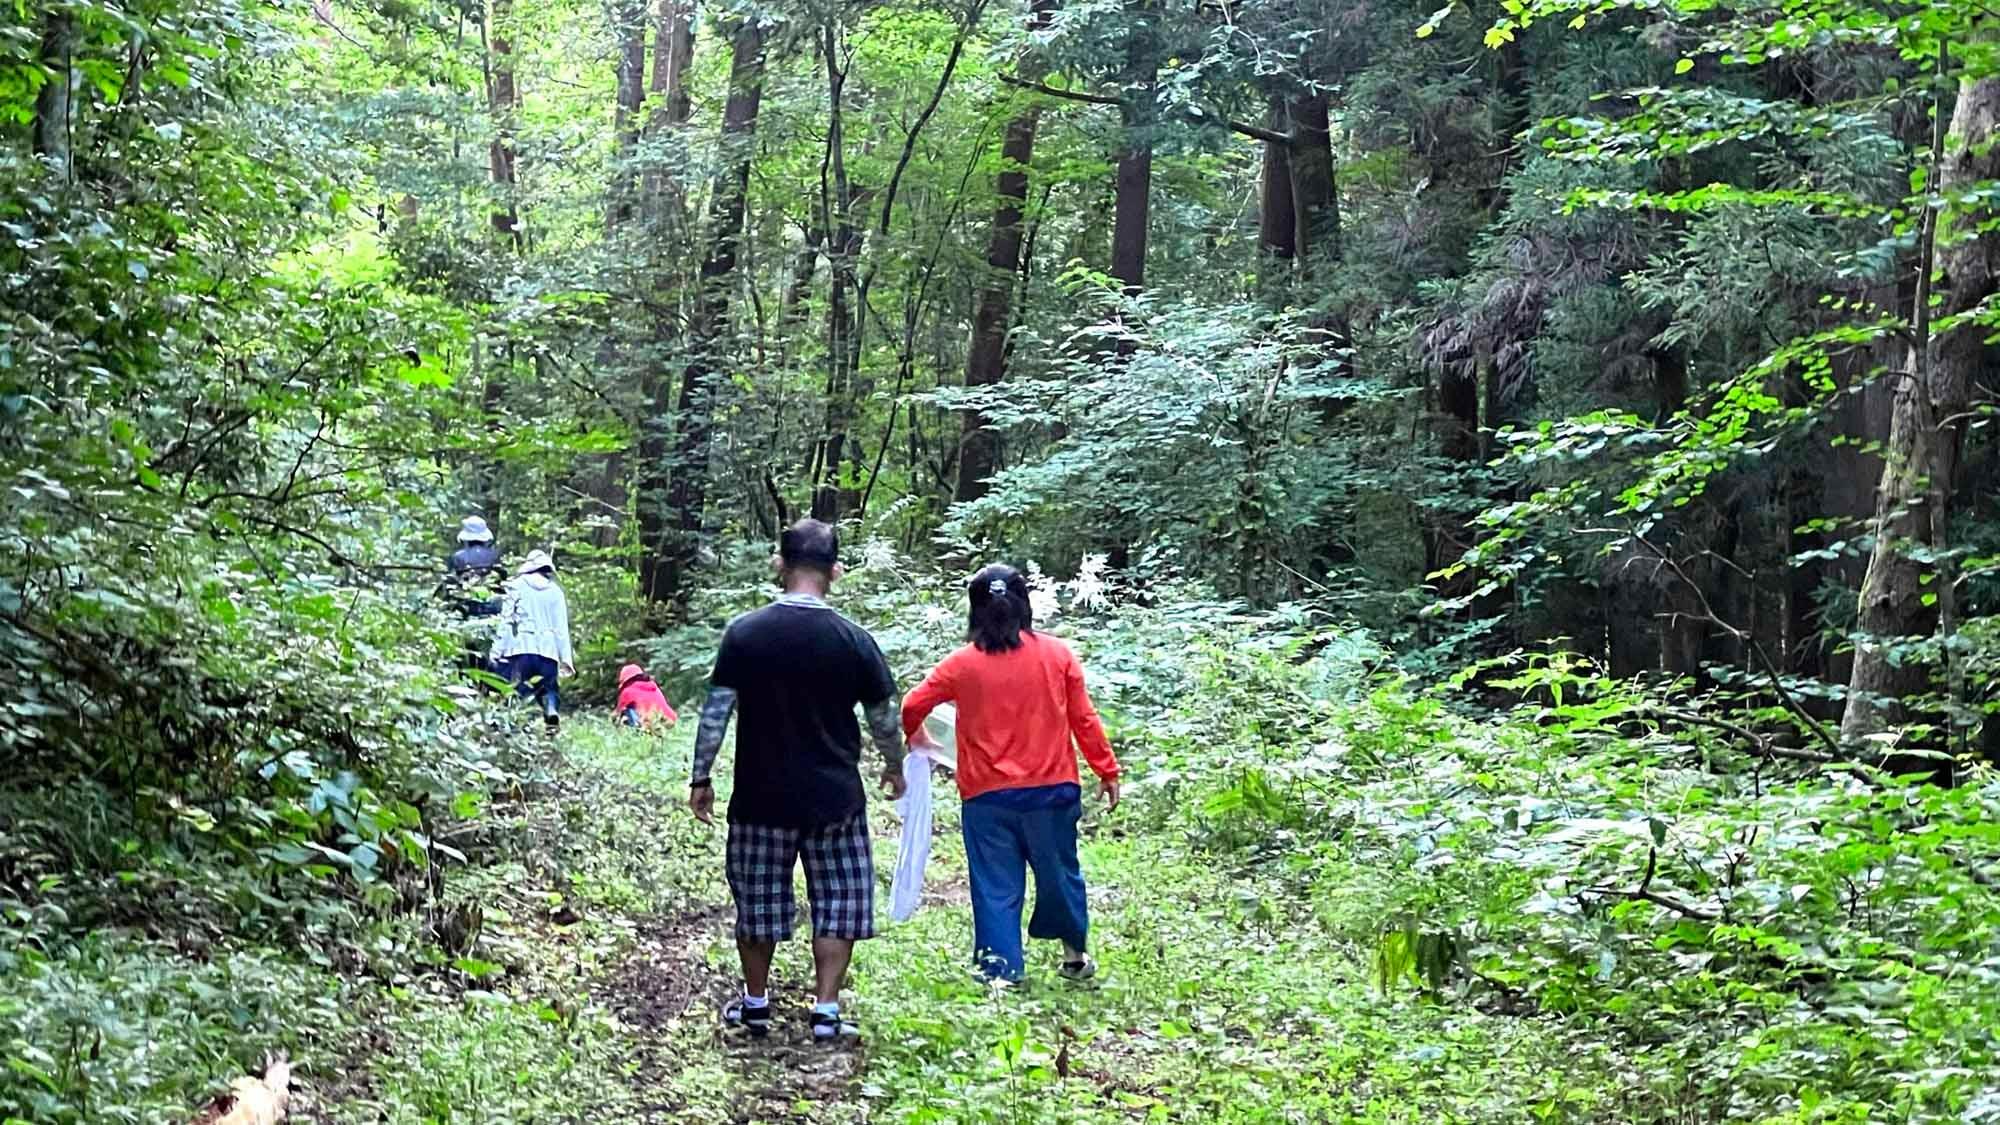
x=1007 y=833
x=535 y=678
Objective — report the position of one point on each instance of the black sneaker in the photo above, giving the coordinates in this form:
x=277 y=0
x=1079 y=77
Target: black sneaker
x=1078 y=970
x=551 y=724
x=832 y=1027
x=739 y=1016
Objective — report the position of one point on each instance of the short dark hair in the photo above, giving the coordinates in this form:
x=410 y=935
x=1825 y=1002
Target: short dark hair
x=1000 y=609
x=810 y=544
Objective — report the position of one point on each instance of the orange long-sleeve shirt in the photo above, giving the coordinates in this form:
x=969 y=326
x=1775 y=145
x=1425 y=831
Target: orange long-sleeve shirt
x=1017 y=714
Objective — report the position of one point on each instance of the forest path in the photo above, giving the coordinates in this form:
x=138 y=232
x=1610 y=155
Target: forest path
x=1224 y=996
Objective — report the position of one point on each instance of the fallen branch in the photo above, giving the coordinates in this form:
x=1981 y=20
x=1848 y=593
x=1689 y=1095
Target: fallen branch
x=1644 y=893
x=1685 y=910
x=1763 y=743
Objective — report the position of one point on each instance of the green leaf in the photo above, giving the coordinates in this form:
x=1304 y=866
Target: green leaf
x=1429 y=26
x=427 y=371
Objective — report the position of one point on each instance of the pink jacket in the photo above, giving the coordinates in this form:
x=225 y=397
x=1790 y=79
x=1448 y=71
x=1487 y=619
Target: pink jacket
x=644 y=696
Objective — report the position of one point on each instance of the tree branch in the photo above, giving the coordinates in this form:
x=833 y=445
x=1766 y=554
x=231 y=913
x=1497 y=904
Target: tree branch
x=1644 y=893
x=1763 y=743
x=923 y=118
x=1685 y=910
x=1067 y=95
x=1708 y=614
x=1254 y=132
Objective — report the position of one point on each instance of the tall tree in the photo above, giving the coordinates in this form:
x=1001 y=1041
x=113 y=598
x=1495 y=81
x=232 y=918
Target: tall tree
x=986 y=362
x=1132 y=200
x=666 y=208
x=843 y=249
x=503 y=104
x=53 y=100
x=1315 y=198
x=673 y=54
x=1913 y=500
x=1277 y=218
x=671 y=544
x=628 y=20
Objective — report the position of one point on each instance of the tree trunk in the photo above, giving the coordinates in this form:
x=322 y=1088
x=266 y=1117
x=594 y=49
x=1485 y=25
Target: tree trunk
x=53 y=125
x=1899 y=599
x=673 y=54
x=666 y=207
x=629 y=26
x=842 y=250
x=1132 y=207
x=798 y=286
x=986 y=362
x=670 y=550
x=1507 y=110
x=663 y=199
x=1315 y=199
x=503 y=101
x=1277 y=218
x=1316 y=205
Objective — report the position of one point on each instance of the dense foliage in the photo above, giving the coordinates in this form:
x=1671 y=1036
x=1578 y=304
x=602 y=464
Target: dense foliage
x=1519 y=476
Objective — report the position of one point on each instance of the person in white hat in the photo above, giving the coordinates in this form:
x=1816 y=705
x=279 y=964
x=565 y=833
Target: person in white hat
x=472 y=568
x=533 y=643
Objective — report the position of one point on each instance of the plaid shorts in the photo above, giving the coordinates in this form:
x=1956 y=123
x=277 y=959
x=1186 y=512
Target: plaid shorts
x=840 y=879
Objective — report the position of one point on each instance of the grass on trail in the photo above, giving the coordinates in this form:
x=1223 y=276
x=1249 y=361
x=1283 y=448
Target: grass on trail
x=1223 y=996
x=1315 y=905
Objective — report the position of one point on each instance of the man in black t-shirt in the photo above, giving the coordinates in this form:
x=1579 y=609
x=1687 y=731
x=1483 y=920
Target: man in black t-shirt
x=796 y=670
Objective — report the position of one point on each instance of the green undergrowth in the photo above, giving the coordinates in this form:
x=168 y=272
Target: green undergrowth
x=1227 y=994
x=463 y=992
x=1329 y=896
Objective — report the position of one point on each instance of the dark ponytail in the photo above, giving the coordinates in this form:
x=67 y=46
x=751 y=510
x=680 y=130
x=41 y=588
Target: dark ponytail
x=1000 y=609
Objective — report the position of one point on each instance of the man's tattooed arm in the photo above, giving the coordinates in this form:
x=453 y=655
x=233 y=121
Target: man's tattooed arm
x=715 y=712
x=885 y=726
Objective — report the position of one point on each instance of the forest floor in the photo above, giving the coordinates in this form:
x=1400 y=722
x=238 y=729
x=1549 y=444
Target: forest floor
x=605 y=955
x=1326 y=898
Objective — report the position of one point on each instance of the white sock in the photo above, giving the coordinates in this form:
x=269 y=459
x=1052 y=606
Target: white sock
x=827 y=1007
x=750 y=1001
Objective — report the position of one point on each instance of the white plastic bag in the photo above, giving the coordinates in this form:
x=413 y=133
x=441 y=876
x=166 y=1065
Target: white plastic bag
x=906 y=890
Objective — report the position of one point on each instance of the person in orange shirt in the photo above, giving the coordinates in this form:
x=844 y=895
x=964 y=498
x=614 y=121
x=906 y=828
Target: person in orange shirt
x=1023 y=714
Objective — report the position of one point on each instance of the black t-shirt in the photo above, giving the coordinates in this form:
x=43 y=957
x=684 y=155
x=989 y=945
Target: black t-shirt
x=798 y=671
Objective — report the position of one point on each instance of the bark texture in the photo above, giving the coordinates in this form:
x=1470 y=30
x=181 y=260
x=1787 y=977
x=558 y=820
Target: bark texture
x=1900 y=593
x=671 y=533
x=986 y=365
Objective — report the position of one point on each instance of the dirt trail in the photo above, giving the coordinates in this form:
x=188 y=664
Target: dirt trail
x=667 y=995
